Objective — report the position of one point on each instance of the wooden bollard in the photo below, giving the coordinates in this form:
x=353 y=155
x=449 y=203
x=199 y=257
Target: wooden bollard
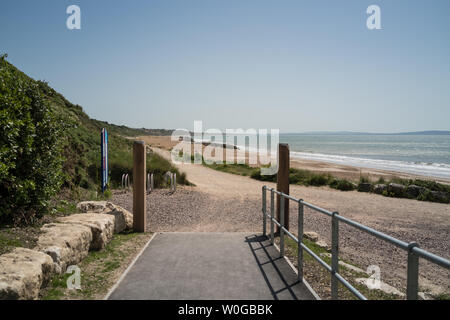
x=139 y=170
x=283 y=182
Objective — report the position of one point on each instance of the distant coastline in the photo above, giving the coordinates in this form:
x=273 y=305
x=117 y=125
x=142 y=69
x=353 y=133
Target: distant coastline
x=412 y=133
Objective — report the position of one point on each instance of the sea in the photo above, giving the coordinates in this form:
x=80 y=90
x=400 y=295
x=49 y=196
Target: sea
x=421 y=154
x=427 y=155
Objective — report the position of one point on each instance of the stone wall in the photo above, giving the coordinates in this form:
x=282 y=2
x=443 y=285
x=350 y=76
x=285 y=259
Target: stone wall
x=24 y=272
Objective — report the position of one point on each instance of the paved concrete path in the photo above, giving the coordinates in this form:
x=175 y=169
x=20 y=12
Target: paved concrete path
x=201 y=266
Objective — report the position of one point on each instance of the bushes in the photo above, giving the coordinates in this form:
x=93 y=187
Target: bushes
x=342 y=184
x=296 y=176
x=159 y=166
x=422 y=190
x=30 y=148
x=431 y=185
x=308 y=178
x=317 y=180
x=256 y=174
x=434 y=196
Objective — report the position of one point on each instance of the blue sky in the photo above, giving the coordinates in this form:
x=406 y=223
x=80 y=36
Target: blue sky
x=293 y=65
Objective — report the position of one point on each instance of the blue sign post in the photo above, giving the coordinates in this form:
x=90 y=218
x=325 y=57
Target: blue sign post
x=104 y=151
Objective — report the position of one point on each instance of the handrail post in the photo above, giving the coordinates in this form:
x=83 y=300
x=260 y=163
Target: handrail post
x=272 y=212
x=139 y=203
x=334 y=255
x=172 y=180
x=282 y=225
x=300 y=240
x=264 y=209
x=283 y=182
x=412 y=286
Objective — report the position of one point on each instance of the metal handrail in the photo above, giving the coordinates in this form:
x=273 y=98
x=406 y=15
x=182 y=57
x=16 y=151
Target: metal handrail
x=412 y=248
x=125 y=181
x=173 y=180
x=150 y=182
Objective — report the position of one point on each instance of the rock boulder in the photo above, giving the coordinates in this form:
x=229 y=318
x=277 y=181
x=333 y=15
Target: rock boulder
x=65 y=243
x=397 y=189
x=379 y=188
x=440 y=196
x=95 y=206
x=23 y=272
x=311 y=235
x=365 y=187
x=413 y=191
x=101 y=225
x=123 y=218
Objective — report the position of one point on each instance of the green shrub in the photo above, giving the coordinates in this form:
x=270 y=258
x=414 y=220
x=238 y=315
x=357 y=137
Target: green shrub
x=256 y=174
x=317 y=180
x=107 y=194
x=429 y=195
x=308 y=178
x=363 y=179
x=342 y=184
x=299 y=176
x=431 y=185
x=30 y=148
x=381 y=181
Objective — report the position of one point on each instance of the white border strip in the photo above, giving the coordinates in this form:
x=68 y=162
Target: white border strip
x=314 y=293
x=129 y=267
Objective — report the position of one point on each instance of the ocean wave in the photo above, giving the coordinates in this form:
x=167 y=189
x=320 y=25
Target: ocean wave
x=429 y=169
x=438 y=170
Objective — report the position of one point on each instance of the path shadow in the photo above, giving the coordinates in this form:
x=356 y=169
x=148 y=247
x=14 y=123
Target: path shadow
x=279 y=276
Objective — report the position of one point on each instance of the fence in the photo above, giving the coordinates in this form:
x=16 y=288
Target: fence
x=412 y=248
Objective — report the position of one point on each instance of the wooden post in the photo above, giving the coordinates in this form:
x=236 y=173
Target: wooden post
x=139 y=170
x=283 y=182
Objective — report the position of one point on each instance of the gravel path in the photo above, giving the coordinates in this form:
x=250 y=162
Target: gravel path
x=228 y=203
x=190 y=210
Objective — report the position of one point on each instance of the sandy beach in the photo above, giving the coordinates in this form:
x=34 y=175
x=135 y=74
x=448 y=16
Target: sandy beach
x=226 y=202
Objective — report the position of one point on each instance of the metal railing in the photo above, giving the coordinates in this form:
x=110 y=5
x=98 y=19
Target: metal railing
x=126 y=181
x=150 y=183
x=412 y=248
x=172 y=176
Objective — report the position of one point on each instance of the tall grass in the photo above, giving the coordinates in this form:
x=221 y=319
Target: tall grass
x=296 y=176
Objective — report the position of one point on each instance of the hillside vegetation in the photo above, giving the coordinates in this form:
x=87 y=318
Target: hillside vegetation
x=48 y=144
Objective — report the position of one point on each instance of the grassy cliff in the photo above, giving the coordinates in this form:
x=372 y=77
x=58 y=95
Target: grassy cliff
x=82 y=143
x=28 y=108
